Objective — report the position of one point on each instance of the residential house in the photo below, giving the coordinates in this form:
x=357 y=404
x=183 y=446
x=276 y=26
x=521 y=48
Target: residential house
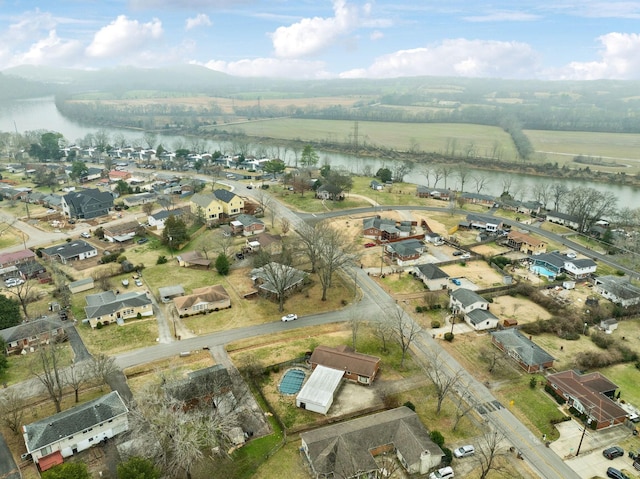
x=16 y=257
x=121 y=232
x=81 y=285
x=423 y=191
x=202 y=300
x=563 y=219
x=349 y=449
x=555 y=263
x=433 y=238
x=139 y=199
x=487 y=223
x=205 y=387
x=264 y=241
x=287 y=279
x=463 y=301
x=118 y=175
x=380 y=229
x=87 y=204
x=109 y=307
x=478 y=199
x=92 y=174
x=232 y=204
x=25 y=337
x=56 y=437
x=617 y=289
x=207 y=207
x=580 y=268
x=247 y=225
x=77 y=250
x=524 y=207
x=329 y=192
x=432 y=276
x=357 y=367
x=375 y=185
x=591 y=394
x=437 y=194
x=405 y=252
x=526 y=243
x=529 y=356
x=481 y=319
x=157 y=220
x=31 y=270
x=168 y=293
x=190 y=259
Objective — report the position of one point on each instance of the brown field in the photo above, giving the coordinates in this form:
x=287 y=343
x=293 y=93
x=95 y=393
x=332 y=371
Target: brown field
x=227 y=105
x=479 y=272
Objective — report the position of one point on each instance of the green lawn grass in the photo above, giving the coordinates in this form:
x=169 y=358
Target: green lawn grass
x=533 y=406
x=114 y=339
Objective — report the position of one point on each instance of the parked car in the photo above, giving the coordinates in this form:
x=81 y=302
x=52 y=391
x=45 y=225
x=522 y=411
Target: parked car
x=84 y=234
x=369 y=245
x=138 y=282
x=613 y=452
x=458 y=253
x=456 y=281
x=616 y=474
x=11 y=282
x=143 y=240
x=125 y=283
x=464 y=451
x=289 y=317
x=465 y=256
x=443 y=473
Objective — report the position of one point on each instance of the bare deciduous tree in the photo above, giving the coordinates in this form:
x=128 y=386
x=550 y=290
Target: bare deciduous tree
x=102 y=367
x=336 y=251
x=489 y=449
x=148 y=208
x=463 y=402
x=405 y=329
x=481 y=181
x=281 y=278
x=46 y=365
x=382 y=329
x=76 y=376
x=463 y=175
x=12 y=406
x=25 y=294
x=285 y=225
x=444 y=379
x=492 y=356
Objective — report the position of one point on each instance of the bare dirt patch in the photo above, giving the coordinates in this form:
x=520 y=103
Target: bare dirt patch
x=478 y=272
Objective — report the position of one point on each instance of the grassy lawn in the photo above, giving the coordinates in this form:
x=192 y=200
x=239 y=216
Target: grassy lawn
x=114 y=339
x=533 y=406
x=626 y=376
x=20 y=365
x=401 y=283
x=310 y=204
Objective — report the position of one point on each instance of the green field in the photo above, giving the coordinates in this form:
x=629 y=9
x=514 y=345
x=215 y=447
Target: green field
x=427 y=137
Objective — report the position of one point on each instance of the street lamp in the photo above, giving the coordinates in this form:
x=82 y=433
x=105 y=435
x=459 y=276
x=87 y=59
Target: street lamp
x=582 y=437
x=584 y=330
x=170 y=246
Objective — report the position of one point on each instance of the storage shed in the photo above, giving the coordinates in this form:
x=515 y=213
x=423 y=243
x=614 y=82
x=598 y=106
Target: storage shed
x=320 y=389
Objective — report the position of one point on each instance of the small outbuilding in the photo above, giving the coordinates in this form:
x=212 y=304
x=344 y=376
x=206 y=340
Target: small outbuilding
x=319 y=391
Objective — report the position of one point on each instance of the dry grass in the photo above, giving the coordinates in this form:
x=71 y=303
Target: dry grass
x=479 y=272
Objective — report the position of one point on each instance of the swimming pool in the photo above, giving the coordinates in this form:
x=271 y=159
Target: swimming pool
x=543 y=271
x=292 y=381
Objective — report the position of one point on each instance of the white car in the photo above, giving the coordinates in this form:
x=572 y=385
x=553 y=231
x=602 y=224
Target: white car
x=465 y=256
x=443 y=473
x=464 y=451
x=11 y=282
x=289 y=317
x=138 y=282
x=84 y=234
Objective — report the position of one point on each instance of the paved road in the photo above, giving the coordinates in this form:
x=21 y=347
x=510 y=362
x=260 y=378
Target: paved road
x=8 y=467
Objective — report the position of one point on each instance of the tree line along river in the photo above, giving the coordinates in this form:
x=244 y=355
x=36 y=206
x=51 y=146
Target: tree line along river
x=41 y=114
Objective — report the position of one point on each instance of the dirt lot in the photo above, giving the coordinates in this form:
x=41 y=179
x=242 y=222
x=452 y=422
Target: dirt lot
x=478 y=272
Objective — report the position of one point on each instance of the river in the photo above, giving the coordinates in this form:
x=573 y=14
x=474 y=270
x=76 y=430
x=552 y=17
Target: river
x=41 y=114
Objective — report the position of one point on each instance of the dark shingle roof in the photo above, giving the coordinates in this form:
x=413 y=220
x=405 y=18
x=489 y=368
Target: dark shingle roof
x=431 y=271
x=101 y=304
x=516 y=344
x=69 y=250
x=224 y=195
x=466 y=297
x=67 y=423
x=478 y=316
x=30 y=328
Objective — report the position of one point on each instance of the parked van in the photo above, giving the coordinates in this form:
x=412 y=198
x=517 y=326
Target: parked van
x=443 y=473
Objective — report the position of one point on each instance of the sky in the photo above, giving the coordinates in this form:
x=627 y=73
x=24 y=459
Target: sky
x=326 y=39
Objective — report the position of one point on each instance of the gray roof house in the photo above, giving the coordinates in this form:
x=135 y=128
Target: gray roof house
x=32 y=334
x=109 y=307
x=51 y=439
x=87 y=204
x=73 y=251
x=481 y=319
x=463 y=300
x=617 y=289
x=349 y=448
x=432 y=276
x=529 y=356
x=406 y=251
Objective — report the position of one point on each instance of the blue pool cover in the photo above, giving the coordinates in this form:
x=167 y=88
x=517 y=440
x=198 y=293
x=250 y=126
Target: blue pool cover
x=292 y=381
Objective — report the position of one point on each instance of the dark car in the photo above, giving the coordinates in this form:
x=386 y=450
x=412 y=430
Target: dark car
x=143 y=240
x=616 y=474
x=613 y=452
x=458 y=253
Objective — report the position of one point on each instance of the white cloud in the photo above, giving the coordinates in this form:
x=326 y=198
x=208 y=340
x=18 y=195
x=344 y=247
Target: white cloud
x=503 y=17
x=619 y=60
x=49 y=51
x=270 y=67
x=456 y=57
x=311 y=35
x=200 y=20
x=376 y=35
x=123 y=36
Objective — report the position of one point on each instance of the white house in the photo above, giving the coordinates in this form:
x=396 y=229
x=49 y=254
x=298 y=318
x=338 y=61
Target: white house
x=463 y=300
x=481 y=319
x=617 y=289
x=52 y=439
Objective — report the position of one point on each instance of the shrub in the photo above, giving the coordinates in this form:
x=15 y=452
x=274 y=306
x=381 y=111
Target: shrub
x=139 y=316
x=162 y=260
x=437 y=437
x=419 y=309
x=448 y=336
x=533 y=382
x=559 y=399
x=601 y=340
x=98 y=325
x=435 y=323
x=448 y=456
x=410 y=405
